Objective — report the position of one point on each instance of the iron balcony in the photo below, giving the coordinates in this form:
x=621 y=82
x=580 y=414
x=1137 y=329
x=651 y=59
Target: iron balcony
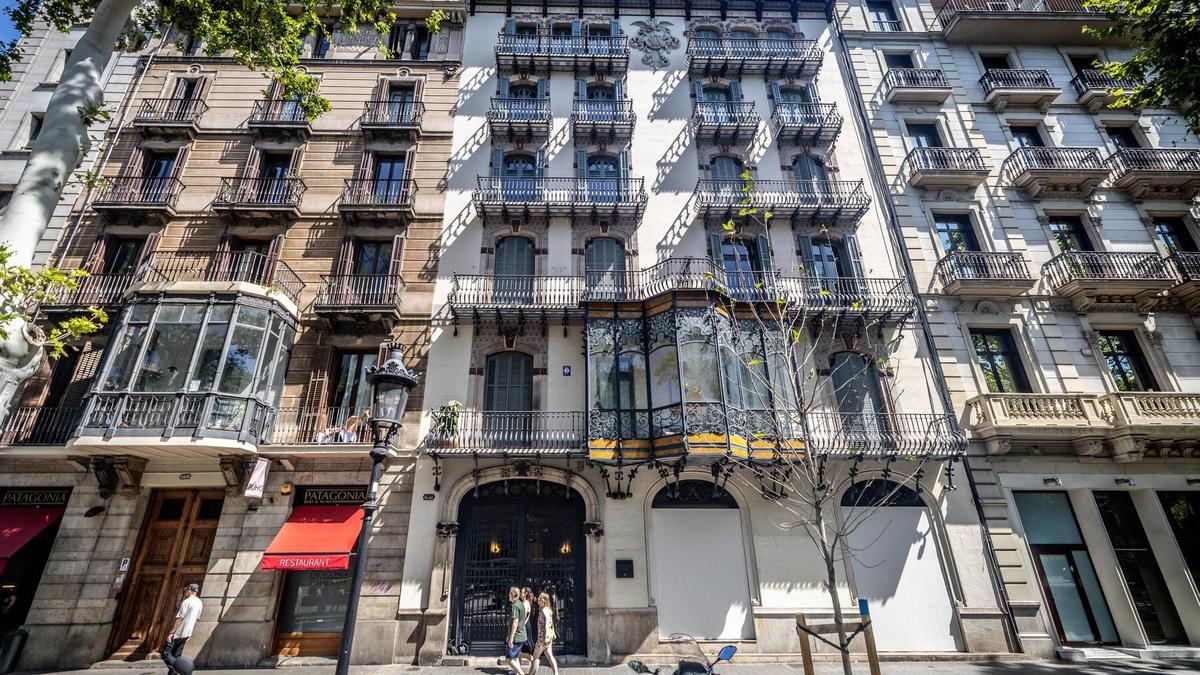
x=724 y=121
x=500 y=199
x=385 y=201
x=598 y=121
x=260 y=197
x=1156 y=173
x=392 y=120
x=1050 y=172
x=884 y=434
x=814 y=124
x=1104 y=279
x=1097 y=90
x=916 y=85
x=178 y=269
x=509 y=434
x=774 y=58
x=1004 y=87
x=324 y=427
x=945 y=167
x=1049 y=22
x=98 y=290
x=987 y=274
x=825 y=202
x=144 y=197
x=40 y=425
x=526 y=119
x=217 y=421
x=170 y=116
x=583 y=54
x=359 y=296
x=1187 y=270
x=279 y=119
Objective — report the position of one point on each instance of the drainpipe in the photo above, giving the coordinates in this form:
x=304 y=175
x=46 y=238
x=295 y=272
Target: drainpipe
x=111 y=141
x=880 y=181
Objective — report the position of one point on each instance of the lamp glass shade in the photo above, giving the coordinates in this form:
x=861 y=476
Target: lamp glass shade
x=391 y=398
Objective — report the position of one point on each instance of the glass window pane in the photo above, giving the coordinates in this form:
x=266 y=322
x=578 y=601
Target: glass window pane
x=1068 y=603
x=211 y=349
x=168 y=356
x=252 y=317
x=664 y=376
x=264 y=382
x=1047 y=518
x=124 y=353
x=241 y=361
x=1183 y=512
x=701 y=381
x=1091 y=588
x=314 y=602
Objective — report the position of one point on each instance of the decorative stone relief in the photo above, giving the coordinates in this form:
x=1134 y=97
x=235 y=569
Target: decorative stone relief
x=654 y=40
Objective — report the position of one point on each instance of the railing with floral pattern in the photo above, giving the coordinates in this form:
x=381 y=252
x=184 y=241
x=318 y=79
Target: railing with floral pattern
x=170 y=111
x=477 y=431
x=1105 y=265
x=981 y=265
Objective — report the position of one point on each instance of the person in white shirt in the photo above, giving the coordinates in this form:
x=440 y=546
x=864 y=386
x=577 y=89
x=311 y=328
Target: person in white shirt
x=185 y=623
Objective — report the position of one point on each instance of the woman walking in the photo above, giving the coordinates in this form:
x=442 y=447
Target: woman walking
x=530 y=602
x=547 y=633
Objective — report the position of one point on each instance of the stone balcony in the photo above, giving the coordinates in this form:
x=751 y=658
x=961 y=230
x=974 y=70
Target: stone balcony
x=1126 y=424
x=1097 y=90
x=1108 y=280
x=945 y=168
x=1054 y=172
x=1004 y=87
x=1049 y=22
x=916 y=85
x=1157 y=173
x=983 y=274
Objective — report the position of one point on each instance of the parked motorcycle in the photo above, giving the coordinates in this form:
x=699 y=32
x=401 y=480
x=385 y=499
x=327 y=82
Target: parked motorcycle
x=688 y=667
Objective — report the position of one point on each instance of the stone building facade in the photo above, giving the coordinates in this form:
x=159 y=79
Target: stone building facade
x=252 y=262
x=586 y=429
x=1053 y=239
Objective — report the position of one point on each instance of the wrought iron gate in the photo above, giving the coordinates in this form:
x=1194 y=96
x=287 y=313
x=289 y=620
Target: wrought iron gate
x=518 y=533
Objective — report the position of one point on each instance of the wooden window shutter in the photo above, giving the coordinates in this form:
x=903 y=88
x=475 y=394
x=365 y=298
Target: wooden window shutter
x=380 y=94
x=274 y=256
x=153 y=240
x=253 y=160
x=181 y=87
x=418 y=90
x=410 y=159
x=37 y=386
x=297 y=157
x=96 y=258
x=345 y=259
x=86 y=368
x=397 y=261
x=202 y=85
x=133 y=167
x=366 y=168
x=180 y=160
x=316 y=393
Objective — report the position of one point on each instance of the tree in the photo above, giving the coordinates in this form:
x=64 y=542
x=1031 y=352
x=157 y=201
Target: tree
x=1166 y=62
x=260 y=34
x=801 y=354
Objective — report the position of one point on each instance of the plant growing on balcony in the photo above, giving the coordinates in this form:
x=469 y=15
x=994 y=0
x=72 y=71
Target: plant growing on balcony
x=446 y=419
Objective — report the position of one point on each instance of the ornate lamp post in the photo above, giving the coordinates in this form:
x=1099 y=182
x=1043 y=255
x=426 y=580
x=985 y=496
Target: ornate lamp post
x=391 y=384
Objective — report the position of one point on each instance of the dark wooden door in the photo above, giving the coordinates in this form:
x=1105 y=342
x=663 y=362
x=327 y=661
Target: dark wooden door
x=173 y=551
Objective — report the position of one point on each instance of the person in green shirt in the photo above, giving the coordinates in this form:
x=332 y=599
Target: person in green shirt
x=516 y=631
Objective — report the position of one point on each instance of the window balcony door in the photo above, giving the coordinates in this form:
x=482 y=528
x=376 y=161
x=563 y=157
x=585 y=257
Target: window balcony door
x=603 y=179
x=514 y=270
x=727 y=174
x=606 y=269
x=859 y=399
x=400 y=104
x=520 y=178
x=157 y=171
x=389 y=180
x=508 y=399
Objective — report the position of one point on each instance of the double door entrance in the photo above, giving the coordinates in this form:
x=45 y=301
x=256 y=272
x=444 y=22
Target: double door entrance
x=173 y=551
x=518 y=533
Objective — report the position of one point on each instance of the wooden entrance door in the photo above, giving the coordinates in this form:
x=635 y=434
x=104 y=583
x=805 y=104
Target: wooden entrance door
x=173 y=550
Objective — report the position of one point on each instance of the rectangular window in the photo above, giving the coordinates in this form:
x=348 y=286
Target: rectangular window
x=35 y=128
x=955 y=232
x=883 y=16
x=169 y=349
x=1082 y=62
x=122 y=255
x=191 y=46
x=923 y=135
x=1125 y=361
x=422 y=41
x=1183 y=512
x=372 y=257
x=351 y=395
x=321 y=42
x=1069 y=233
x=898 y=61
x=994 y=62
x=1123 y=137
x=1027 y=137
x=1143 y=578
x=996 y=354
x=313 y=602
x=1174 y=234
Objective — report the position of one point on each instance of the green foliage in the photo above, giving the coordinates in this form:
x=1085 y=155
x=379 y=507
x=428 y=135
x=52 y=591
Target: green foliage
x=1166 y=37
x=434 y=21
x=22 y=289
x=259 y=34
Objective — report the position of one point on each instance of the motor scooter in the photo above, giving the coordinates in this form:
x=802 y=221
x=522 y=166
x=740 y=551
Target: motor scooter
x=688 y=667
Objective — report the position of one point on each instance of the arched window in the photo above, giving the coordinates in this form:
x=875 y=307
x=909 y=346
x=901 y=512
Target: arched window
x=744 y=42
x=707 y=41
x=523 y=89
x=856 y=385
x=520 y=165
x=603 y=173
x=727 y=173
x=880 y=492
x=597 y=91
x=513 y=271
x=508 y=398
x=693 y=494
x=605 y=264
x=778 y=37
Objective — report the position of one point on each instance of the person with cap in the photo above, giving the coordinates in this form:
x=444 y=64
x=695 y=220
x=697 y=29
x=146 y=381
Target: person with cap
x=185 y=623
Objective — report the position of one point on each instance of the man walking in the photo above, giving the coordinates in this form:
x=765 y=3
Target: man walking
x=185 y=622
x=516 y=631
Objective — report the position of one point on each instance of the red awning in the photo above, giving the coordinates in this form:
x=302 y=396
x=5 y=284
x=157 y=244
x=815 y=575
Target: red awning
x=19 y=525
x=315 y=538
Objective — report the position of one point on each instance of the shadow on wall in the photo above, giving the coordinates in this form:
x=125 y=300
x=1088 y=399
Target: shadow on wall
x=665 y=167
x=467 y=102
x=463 y=156
x=662 y=96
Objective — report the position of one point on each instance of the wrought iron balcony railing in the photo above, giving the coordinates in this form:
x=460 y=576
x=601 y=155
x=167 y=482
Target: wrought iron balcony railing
x=1157 y=160
x=94 y=289
x=1007 y=8
x=915 y=78
x=602 y=112
x=850 y=295
x=1187 y=265
x=384 y=193
x=253 y=193
x=486 y=291
x=884 y=434
x=223 y=266
x=472 y=432
x=39 y=425
x=984 y=266
x=1055 y=159
x=798 y=58
x=946 y=160
x=170 y=111
x=887 y=26
x=807 y=122
x=592 y=53
x=841 y=200
x=725 y=113
x=387 y=113
x=519 y=111
x=1091 y=80
x=277 y=112
x=562 y=191
x=320 y=426
x=1105 y=266
x=997 y=79
x=207 y=415
x=360 y=291
x=139 y=192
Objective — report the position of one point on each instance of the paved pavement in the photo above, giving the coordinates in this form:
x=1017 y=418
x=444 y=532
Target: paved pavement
x=1137 y=667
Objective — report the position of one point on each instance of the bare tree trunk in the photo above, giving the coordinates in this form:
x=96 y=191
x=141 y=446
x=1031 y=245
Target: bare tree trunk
x=60 y=147
x=63 y=141
x=831 y=579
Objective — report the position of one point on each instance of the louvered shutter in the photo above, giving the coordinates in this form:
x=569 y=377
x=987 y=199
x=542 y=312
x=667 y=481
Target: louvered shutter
x=417 y=98
x=153 y=240
x=510 y=26
x=502 y=86
x=410 y=161
x=581 y=89
x=313 y=416
x=97 y=256
x=619 y=89
x=540 y=162
x=33 y=392
x=542 y=88
x=345 y=259
x=201 y=90
x=776 y=94
x=763 y=244
x=735 y=90
x=577 y=28
x=850 y=242
x=134 y=167
x=394 y=268
x=714 y=250
x=90 y=357
x=804 y=247
x=497 y=162
x=271 y=264
x=581 y=162
x=181 y=88
x=698 y=89
x=366 y=170
x=614 y=28
x=623 y=164
x=180 y=159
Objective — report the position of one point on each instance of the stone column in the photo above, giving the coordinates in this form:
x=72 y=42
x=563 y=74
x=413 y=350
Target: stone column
x=1170 y=561
x=1104 y=559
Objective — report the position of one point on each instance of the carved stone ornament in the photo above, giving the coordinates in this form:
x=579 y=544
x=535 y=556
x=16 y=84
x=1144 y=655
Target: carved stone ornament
x=446 y=529
x=654 y=40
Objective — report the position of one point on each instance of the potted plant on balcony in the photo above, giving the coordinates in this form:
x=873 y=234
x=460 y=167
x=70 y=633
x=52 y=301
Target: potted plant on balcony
x=446 y=418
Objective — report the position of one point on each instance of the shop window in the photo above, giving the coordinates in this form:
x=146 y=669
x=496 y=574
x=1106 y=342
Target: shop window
x=996 y=354
x=1125 y=360
x=313 y=606
x=1182 y=509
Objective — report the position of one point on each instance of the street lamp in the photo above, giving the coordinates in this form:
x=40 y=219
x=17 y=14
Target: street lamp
x=391 y=384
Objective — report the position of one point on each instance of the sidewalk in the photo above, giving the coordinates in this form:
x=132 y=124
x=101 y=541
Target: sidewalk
x=907 y=668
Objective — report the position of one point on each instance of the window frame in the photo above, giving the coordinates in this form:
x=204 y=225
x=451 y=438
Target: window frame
x=1019 y=376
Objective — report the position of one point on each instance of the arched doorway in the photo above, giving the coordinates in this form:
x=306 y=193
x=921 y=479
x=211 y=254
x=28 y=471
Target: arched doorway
x=701 y=584
x=897 y=567
x=518 y=533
